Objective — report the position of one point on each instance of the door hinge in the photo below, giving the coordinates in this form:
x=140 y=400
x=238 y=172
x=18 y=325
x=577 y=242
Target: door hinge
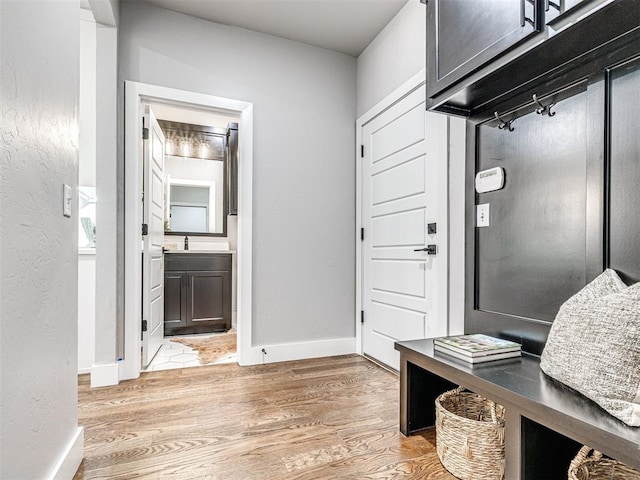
x=361 y=316
x=362 y=151
x=144 y=325
x=145 y=229
x=362 y=234
x=145 y=133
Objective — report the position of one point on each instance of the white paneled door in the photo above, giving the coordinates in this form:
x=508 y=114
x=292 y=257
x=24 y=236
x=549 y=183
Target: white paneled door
x=152 y=260
x=403 y=288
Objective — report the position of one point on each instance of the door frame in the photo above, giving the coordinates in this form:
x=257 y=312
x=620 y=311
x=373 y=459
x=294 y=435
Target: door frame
x=417 y=81
x=136 y=94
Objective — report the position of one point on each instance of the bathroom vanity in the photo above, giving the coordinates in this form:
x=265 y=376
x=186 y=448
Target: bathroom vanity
x=197 y=292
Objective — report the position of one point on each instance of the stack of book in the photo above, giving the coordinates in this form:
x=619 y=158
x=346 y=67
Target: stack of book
x=477 y=348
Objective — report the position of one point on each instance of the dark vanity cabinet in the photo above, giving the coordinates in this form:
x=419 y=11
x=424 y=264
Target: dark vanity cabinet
x=495 y=26
x=197 y=293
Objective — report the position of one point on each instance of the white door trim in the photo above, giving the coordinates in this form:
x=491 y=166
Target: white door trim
x=135 y=94
x=417 y=81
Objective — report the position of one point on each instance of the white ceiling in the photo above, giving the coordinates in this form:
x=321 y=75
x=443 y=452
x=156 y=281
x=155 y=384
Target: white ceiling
x=346 y=26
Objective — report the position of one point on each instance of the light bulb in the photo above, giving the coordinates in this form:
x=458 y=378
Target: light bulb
x=186 y=148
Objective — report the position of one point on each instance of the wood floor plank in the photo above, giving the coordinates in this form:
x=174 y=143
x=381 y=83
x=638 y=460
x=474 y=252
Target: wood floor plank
x=329 y=418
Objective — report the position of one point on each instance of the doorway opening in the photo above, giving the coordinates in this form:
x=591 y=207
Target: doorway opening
x=219 y=238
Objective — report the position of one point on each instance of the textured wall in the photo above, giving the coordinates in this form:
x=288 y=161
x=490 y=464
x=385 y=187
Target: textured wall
x=304 y=172
x=87 y=105
x=39 y=41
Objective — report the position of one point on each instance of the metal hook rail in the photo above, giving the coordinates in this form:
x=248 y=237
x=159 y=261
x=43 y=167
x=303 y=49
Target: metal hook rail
x=543 y=109
x=540 y=110
x=504 y=124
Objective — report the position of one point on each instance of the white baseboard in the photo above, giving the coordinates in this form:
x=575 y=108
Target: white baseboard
x=71 y=458
x=300 y=351
x=82 y=371
x=104 y=375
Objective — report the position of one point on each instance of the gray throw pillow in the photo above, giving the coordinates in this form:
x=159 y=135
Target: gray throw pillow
x=594 y=346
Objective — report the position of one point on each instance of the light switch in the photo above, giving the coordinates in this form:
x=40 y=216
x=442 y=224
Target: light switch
x=482 y=215
x=66 y=200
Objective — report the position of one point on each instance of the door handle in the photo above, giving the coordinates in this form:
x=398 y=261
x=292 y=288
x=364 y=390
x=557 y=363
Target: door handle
x=430 y=249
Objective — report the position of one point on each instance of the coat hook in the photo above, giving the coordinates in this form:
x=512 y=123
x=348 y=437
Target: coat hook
x=502 y=125
x=542 y=110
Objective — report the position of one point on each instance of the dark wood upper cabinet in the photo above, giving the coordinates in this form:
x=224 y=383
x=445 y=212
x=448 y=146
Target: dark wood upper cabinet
x=480 y=57
x=465 y=35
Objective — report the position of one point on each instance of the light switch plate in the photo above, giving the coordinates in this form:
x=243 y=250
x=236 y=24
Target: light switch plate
x=66 y=200
x=482 y=215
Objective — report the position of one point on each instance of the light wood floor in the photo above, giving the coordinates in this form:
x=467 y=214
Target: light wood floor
x=331 y=418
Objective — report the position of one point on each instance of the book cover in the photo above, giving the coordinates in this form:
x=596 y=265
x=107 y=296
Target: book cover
x=474 y=360
x=477 y=345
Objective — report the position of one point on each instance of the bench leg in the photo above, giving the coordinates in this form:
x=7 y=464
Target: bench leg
x=512 y=443
x=418 y=392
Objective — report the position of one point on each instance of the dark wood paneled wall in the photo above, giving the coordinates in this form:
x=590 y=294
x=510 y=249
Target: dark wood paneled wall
x=624 y=205
x=567 y=211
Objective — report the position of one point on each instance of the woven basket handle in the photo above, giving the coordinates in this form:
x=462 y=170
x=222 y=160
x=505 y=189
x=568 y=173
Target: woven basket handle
x=584 y=453
x=453 y=393
x=492 y=409
x=492 y=406
x=457 y=390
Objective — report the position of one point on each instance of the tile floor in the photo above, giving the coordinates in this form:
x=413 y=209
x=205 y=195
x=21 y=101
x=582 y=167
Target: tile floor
x=175 y=355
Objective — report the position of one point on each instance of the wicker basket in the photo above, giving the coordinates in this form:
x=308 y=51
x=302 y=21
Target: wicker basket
x=589 y=464
x=470 y=435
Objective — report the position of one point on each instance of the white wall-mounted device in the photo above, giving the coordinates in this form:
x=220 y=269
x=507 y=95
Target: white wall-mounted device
x=490 y=180
x=482 y=215
x=67 y=196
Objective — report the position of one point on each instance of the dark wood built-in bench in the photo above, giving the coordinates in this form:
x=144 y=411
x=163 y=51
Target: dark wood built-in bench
x=546 y=423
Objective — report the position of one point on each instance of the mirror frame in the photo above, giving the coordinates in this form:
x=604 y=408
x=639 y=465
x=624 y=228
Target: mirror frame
x=202 y=132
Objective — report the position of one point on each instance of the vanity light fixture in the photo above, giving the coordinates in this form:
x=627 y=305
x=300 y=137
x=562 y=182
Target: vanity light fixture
x=203 y=149
x=168 y=147
x=197 y=141
x=185 y=147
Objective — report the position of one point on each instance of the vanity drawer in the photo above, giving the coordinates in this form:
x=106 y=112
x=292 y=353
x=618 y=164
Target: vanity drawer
x=197 y=261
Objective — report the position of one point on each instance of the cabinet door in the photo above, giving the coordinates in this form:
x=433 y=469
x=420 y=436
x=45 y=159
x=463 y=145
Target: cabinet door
x=175 y=301
x=464 y=35
x=209 y=302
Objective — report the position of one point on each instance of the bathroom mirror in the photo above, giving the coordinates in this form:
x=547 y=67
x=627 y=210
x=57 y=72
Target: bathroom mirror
x=196 y=201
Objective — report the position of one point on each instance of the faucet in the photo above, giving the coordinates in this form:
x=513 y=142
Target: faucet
x=186 y=243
